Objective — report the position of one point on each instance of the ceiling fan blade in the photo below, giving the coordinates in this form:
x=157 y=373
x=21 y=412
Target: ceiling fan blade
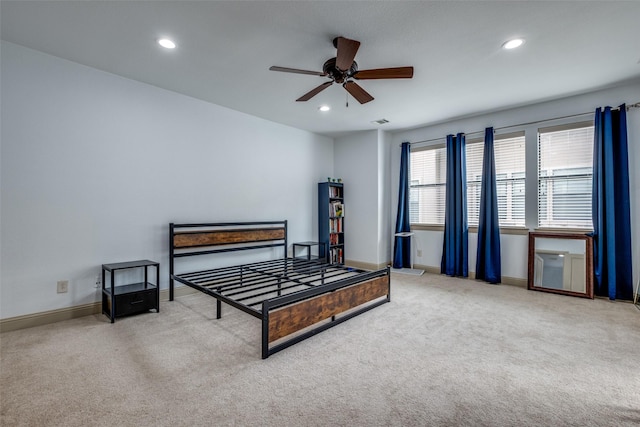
x=295 y=70
x=307 y=96
x=384 y=73
x=361 y=95
x=347 y=50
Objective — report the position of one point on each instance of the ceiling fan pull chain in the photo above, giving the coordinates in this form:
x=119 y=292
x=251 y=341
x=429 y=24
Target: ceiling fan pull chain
x=347 y=100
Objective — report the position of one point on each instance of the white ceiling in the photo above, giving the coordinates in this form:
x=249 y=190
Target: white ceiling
x=225 y=49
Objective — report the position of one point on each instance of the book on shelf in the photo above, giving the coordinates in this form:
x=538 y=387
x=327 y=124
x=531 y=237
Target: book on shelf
x=333 y=239
x=336 y=209
x=336 y=256
x=335 y=225
x=335 y=192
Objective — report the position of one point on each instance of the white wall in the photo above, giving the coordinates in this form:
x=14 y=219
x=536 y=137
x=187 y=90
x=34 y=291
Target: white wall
x=514 y=247
x=384 y=197
x=362 y=160
x=94 y=167
x=355 y=161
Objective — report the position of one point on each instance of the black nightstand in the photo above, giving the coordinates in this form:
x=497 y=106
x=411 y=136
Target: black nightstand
x=322 y=248
x=122 y=300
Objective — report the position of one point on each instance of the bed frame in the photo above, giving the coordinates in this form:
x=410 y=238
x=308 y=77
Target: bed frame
x=295 y=298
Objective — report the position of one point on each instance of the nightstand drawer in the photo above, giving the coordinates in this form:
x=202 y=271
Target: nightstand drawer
x=135 y=302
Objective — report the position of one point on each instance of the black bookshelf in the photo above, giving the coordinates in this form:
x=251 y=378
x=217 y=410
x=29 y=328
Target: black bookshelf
x=331 y=221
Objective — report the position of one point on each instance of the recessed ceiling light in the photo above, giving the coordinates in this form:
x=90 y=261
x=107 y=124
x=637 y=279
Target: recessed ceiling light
x=324 y=108
x=166 y=43
x=512 y=44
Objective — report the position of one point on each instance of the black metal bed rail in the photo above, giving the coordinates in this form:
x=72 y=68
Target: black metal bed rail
x=220 y=298
x=217 y=251
x=227 y=224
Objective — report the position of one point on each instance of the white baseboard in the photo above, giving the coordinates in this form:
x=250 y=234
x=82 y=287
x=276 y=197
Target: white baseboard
x=58 y=315
x=365 y=265
x=506 y=280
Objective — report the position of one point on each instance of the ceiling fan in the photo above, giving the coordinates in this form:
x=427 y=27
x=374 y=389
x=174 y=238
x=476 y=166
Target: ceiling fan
x=343 y=69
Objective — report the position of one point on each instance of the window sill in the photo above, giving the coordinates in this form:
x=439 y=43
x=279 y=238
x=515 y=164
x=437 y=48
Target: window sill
x=427 y=227
x=522 y=231
x=563 y=230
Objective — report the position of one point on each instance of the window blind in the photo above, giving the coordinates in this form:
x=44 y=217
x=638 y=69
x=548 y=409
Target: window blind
x=565 y=170
x=509 y=154
x=427 y=185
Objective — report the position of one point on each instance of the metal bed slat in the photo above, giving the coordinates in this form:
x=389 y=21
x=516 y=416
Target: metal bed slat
x=285 y=279
x=230 y=270
x=227 y=280
x=281 y=288
x=272 y=291
x=271 y=282
x=246 y=270
x=234 y=267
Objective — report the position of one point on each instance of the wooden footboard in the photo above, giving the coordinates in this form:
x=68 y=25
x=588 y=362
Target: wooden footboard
x=288 y=320
x=303 y=315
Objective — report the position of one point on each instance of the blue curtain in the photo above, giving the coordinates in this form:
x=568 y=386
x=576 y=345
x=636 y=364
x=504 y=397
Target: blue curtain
x=611 y=206
x=488 y=266
x=455 y=260
x=402 y=245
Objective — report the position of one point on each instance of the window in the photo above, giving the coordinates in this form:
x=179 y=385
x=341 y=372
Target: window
x=509 y=154
x=565 y=170
x=427 y=189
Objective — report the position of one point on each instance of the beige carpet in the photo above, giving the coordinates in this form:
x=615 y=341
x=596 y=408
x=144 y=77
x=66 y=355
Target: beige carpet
x=444 y=352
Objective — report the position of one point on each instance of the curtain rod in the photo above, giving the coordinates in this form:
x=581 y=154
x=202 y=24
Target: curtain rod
x=627 y=108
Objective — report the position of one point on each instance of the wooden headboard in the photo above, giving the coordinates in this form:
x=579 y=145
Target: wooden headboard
x=209 y=238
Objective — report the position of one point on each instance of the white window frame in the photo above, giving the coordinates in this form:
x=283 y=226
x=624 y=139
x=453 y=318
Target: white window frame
x=549 y=176
x=505 y=180
x=438 y=184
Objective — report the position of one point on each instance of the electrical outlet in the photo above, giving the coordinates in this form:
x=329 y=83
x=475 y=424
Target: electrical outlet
x=419 y=253
x=98 y=281
x=63 y=286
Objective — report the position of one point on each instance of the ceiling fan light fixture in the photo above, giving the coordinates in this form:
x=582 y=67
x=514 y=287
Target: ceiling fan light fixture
x=343 y=70
x=512 y=44
x=167 y=43
x=324 y=108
